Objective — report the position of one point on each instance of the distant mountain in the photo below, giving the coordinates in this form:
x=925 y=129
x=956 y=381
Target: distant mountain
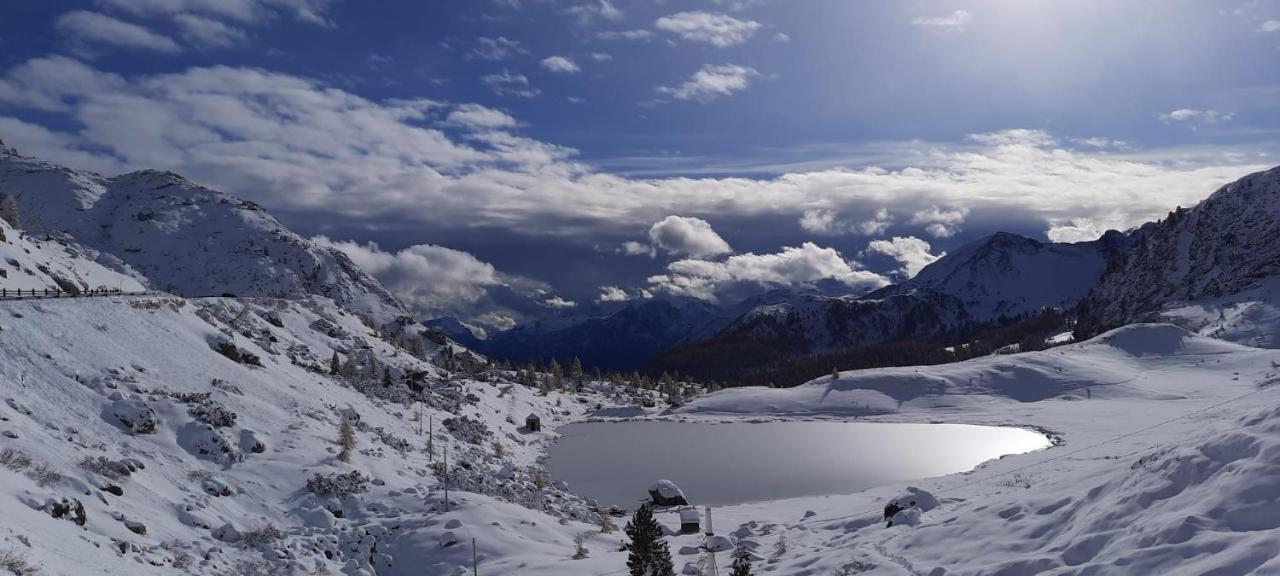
x=185 y=238
x=1211 y=268
x=992 y=281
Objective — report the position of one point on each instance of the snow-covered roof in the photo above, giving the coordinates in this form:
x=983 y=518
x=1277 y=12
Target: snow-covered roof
x=689 y=515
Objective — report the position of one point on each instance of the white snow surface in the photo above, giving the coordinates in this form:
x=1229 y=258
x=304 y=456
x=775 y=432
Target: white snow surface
x=40 y=263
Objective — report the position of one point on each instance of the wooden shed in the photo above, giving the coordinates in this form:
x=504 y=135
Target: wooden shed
x=689 y=520
x=533 y=423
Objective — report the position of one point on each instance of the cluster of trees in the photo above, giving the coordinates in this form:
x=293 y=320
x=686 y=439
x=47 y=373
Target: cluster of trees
x=648 y=554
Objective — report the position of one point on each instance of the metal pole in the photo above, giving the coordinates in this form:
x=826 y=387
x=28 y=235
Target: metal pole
x=475 y=570
x=711 y=569
x=446 y=478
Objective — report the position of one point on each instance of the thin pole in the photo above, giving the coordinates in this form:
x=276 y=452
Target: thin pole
x=475 y=570
x=446 y=478
x=711 y=569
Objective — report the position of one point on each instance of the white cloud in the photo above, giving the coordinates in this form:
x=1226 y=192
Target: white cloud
x=792 y=266
x=1189 y=115
x=299 y=144
x=636 y=34
x=560 y=65
x=209 y=33
x=558 y=302
x=633 y=248
x=957 y=21
x=601 y=56
x=719 y=30
x=244 y=11
x=613 y=294
x=684 y=236
x=589 y=12
x=782 y=38
x=508 y=84
x=1270 y=26
x=827 y=223
x=1075 y=230
x=477 y=116
x=939 y=222
x=712 y=82
x=911 y=252
x=432 y=280
x=92 y=28
x=499 y=48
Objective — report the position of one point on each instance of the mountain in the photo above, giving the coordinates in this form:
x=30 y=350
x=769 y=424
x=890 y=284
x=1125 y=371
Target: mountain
x=185 y=238
x=56 y=263
x=992 y=281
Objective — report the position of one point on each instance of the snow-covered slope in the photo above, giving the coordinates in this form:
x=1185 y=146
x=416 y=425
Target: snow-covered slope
x=56 y=263
x=1222 y=251
x=185 y=238
x=131 y=408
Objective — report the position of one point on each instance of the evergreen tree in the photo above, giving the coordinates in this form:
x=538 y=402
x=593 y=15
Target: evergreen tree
x=371 y=371
x=335 y=365
x=9 y=209
x=649 y=555
x=386 y=376
x=346 y=439
x=741 y=562
x=349 y=368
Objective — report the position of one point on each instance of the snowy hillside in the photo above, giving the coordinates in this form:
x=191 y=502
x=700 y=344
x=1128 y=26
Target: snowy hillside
x=161 y=435
x=1167 y=464
x=184 y=238
x=1227 y=245
x=56 y=263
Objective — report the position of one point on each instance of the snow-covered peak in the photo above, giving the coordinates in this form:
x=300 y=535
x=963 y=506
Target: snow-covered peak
x=1007 y=275
x=186 y=238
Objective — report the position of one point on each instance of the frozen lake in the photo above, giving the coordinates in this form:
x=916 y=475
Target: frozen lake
x=718 y=464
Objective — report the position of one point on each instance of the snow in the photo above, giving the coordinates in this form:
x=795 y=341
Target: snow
x=55 y=263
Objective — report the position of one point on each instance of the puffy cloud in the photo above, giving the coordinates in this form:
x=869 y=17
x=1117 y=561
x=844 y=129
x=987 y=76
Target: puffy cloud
x=499 y=48
x=940 y=223
x=792 y=266
x=209 y=33
x=1270 y=26
x=957 y=21
x=826 y=222
x=432 y=280
x=633 y=248
x=684 y=236
x=711 y=82
x=1076 y=230
x=558 y=302
x=296 y=143
x=508 y=84
x=911 y=252
x=92 y=28
x=612 y=294
x=589 y=12
x=477 y=116
x=560 y=65
x=720 y=30
x=1189 y=115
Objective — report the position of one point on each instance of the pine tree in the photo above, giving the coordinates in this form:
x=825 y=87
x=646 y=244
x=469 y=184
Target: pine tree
x=335 y=365
x=371 y=371
x=557 y=375
x=346 y=439
x=349 y=368
x=741 y=562
x=9 y=209
x=649 y=555
x=386 y=376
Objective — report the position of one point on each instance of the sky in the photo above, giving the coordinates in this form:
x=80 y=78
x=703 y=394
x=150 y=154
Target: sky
x=502 y=160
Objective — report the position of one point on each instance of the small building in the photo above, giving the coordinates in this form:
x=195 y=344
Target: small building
x=533 y=423
x=689 y=520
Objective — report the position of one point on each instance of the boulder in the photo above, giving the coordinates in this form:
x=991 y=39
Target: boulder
x=666 y=493
x=906 y=509
x=134 y=415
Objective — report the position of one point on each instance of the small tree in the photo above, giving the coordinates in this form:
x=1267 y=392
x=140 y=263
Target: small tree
x=741 y=561
x=346 y=439
x=780 y=547
x=335 y=364
x=649 y=555
x=386 y=375
x=580 y=546
x=498 y=450
x=606 y=522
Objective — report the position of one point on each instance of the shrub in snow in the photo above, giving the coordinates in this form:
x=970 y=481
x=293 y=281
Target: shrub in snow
x=67 y=508
x=338 y=485
x=134 y=415
x=467 y=429
x=207 y=442
x=44 y=475
x=249 y=442
x=110 y=469
x=330 y=329
x=263 y=535
x=15 y=562
x=666 y=493
x=211 y=412
x=14 y=459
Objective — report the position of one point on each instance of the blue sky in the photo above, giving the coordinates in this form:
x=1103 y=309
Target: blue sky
x=509 y=157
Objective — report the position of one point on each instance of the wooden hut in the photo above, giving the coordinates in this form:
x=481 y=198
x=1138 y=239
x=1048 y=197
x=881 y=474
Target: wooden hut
x=689 y=520
x=533 y=423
